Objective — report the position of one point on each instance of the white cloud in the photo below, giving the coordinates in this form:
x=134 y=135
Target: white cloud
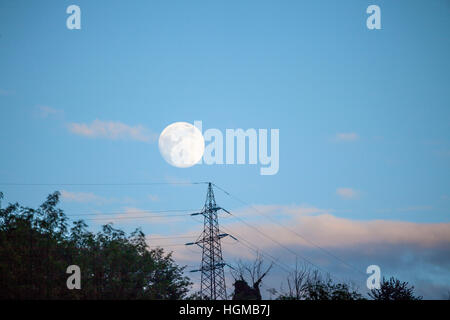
x=347 y=193
x=82 y=197
x=113 y=130
x=46 y=111
x=347 y=137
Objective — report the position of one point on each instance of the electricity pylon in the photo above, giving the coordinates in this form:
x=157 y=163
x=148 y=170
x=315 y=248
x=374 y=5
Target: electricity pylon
x=212 y=285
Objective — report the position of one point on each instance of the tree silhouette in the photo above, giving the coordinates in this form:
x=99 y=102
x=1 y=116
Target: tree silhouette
x=249 y=273
x=306 y=284
x=36 y=247
x=393 y=289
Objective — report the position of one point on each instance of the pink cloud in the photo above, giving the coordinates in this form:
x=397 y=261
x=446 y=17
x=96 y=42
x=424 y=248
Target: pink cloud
x=329 y=231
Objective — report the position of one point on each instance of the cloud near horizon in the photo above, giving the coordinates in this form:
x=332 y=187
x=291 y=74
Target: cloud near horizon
x=400 y=248
x=330 y=231
x=112 y=130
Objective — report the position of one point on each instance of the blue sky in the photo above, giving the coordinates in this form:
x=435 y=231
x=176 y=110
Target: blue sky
x=364 y=115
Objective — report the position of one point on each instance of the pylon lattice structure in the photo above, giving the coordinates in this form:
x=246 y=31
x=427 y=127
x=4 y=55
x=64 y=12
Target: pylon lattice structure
x=212 y=285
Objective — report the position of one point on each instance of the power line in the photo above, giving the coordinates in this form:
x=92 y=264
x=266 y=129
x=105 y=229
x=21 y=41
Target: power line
x=128 y=212
x=258 y=250
x=263 y=254
x=102 y=184
x=138 y=217
x=171 y=237
x=167 y=245
x=181 y=210
x=277 y=242
x=252 y=247
x=280 y=244
x=292 y=231
x=99 y=215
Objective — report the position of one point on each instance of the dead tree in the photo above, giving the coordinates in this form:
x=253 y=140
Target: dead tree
x=249 y=273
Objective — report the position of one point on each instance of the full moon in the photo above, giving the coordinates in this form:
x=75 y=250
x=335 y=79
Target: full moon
x=181 y=144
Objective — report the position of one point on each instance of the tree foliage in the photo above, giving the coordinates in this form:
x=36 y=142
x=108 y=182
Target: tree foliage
x=37 y=246
x=394 y=289
x=306 y=284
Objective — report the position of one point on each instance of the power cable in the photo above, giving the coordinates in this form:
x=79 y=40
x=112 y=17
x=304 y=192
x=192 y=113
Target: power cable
x=292 y=231
x=102 y=184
